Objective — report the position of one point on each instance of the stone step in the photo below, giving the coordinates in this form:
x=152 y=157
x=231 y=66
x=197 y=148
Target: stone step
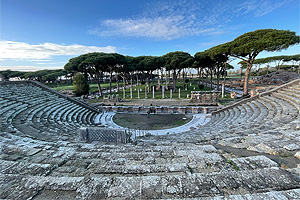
x=175 y=186
x=22 y=168
x=283 y=195
x=271 y=109
x=237 y=114
x=263 y=111
x=256 y=111
x=294 y=101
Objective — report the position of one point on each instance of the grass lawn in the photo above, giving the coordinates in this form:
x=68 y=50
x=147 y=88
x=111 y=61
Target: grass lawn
x=69 y=86
x=192 y=86
x=154 y=122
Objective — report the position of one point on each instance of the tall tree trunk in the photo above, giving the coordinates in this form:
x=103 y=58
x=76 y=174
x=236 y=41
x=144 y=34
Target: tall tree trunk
x=225 y=73
x=148 y=83
x=137 y=79
x=110 y=80
x=118 y=87
x=206 y=82
x=162 y=77
x=85 y=75
x=99 y=86
x=131 y=80
x=211 y=78
x=124 y=81
x=199 y=76
x=151 y=77
x=174 y=81
x=218 y=82
x=246 y=81
x=158 y=79
x=202 y=75
x=168 y=78
x=101 y=77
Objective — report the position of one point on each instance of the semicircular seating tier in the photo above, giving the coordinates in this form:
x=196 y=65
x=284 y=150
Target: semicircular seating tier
x=31 y=111
x=41 y=157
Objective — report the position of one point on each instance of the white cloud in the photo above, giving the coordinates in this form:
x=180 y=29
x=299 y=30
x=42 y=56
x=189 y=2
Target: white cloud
x=260 y=8
x=22 y=50
x=171 y=19
x=162 y=28
x=162 y=20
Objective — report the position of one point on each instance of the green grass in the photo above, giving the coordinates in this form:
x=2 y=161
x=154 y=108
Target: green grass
x=62 y=86
x=179 y=122
x=236 y=168
x=69 y=86
x=190 y=169
x=158 y=94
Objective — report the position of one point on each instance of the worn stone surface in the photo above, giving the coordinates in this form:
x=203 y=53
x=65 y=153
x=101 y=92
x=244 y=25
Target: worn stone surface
x=44 y=158
x=292 y=147
x=297 y=155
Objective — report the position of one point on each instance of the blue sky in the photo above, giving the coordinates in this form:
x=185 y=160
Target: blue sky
x=43 y=34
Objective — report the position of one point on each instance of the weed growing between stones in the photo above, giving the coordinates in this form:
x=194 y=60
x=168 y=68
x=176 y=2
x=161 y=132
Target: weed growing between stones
x=236 y=168
x=190 y=169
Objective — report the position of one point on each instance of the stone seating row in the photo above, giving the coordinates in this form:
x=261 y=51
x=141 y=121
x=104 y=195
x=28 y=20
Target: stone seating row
x=271 y=123
x=47 y=113
x=201 y=158
x=260 y=110
x=165 y=186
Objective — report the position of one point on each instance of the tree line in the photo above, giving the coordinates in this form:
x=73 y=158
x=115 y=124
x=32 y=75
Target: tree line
x=212 y=62
x=277 y=61
x=40 y=75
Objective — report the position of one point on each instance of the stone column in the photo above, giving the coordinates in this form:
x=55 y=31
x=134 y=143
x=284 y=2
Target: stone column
x=223 y=90
x=171 y=94
x=131 y=92
x=124 y=93
x=163 y=92
x=138 y=93
x=179 y=93
x=153 y=92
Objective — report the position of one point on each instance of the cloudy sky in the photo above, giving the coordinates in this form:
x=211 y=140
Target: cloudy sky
x=43 y=34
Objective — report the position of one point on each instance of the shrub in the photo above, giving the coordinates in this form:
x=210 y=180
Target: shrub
x=201 y=87
x=81 y=86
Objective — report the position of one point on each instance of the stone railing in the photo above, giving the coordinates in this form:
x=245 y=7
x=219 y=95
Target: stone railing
x=156 y=109
x=257 y=96
x=205 y=97
x=90 y=134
